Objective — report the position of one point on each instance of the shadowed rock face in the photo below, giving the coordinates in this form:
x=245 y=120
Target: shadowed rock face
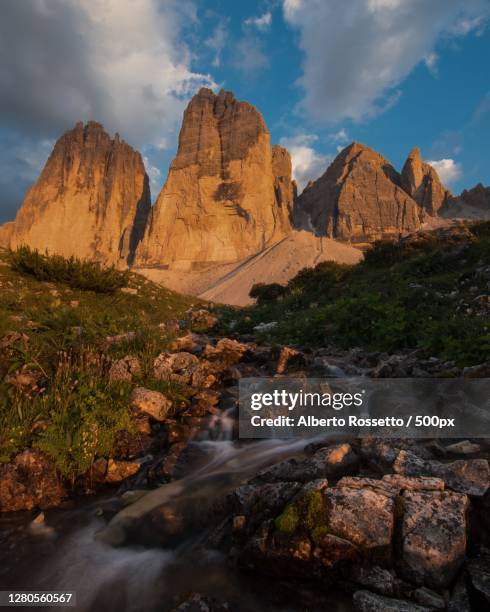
x=421 y=181
x=358 y=199
x=91 y=200
x=224 y=198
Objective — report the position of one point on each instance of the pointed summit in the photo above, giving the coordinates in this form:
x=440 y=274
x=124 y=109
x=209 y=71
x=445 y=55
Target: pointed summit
x=223 y=199
x=91 y=199
x=421 y=181
x=357 y=199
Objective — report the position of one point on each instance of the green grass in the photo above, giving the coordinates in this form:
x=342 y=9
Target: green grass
x=76 y=417
x=400 y=297
x=74 y=272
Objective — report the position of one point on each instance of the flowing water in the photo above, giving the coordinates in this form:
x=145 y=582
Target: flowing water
x=77 y=550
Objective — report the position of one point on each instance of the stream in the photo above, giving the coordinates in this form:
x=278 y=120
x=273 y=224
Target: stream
x=77 y=550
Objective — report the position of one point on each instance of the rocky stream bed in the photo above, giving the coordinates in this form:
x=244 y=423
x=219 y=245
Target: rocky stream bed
x=188 y=517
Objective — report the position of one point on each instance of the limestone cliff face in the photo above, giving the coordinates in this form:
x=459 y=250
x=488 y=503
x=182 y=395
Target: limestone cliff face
x=421 y=181
x=91 y=199
x=357 y=199
x=5 y=232
x=219 y=202
x=284 y=185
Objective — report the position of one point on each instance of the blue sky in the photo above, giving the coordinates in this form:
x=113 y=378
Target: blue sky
x=390 y=73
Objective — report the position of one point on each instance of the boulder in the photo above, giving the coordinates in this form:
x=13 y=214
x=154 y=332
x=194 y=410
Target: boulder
x=120 y=470
x=123 y=370
x=30 y=480
x=152 y=403
x=365 y=601
x=433 y=534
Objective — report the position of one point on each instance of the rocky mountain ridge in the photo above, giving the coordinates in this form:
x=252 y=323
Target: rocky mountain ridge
x=228 y=199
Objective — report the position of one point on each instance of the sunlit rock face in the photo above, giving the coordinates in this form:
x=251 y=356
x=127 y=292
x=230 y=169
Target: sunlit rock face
x=91 y=199
x=226 y=196
x=358 y=199
x=421 y=181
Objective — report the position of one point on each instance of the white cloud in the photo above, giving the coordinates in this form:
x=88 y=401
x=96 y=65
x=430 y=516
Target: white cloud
x=217 y=41
x=308 y=164
x=122 y=63
x=356 y=53
x=154 y=175
x=261 y=23
x=340 y=137
x=449 y=171
x=431 y=63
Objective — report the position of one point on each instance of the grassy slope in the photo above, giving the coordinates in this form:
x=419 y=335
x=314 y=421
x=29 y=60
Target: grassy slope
x=403 y=296
x=66 y=350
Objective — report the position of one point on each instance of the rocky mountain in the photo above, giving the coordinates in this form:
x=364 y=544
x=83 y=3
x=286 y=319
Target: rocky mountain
x=359 y=198
x=470 y=204
x=227 y=195
x=421 y=181
x=5 y=231
x=91 y=199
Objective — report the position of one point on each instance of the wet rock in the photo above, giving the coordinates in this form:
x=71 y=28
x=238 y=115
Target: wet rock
x=375 y=578
x=29 y=481
x=469 y=476
x=411 y=483
x=261 y=502
x=481 y=370
x=378 y=453
x=152 y=403
x=433 y=536
x=361 y=516
x=124 y=369
x=429 y=598
x=365 y=601
x=459 y=600
x=288 y=358
x=479 y=573
x=120 y=470
x=465 y=447
x=378 y=486
x=408 y=463
x=330 y=462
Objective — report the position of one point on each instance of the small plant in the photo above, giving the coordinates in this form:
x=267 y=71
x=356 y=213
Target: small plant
x=264 y=294
x=74 y=272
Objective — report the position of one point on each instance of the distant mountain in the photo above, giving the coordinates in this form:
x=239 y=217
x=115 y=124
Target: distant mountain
x=358 y=199
x=91 y=199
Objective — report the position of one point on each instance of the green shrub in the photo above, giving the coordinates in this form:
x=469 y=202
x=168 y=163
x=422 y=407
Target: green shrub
x=74 y=272
x=265 y=294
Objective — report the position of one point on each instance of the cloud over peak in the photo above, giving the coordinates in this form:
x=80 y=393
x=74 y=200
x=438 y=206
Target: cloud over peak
x=356 y=53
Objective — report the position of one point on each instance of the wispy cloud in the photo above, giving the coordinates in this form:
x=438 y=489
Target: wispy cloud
x=217 y=41
x=357 y=53
x=263 y=22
